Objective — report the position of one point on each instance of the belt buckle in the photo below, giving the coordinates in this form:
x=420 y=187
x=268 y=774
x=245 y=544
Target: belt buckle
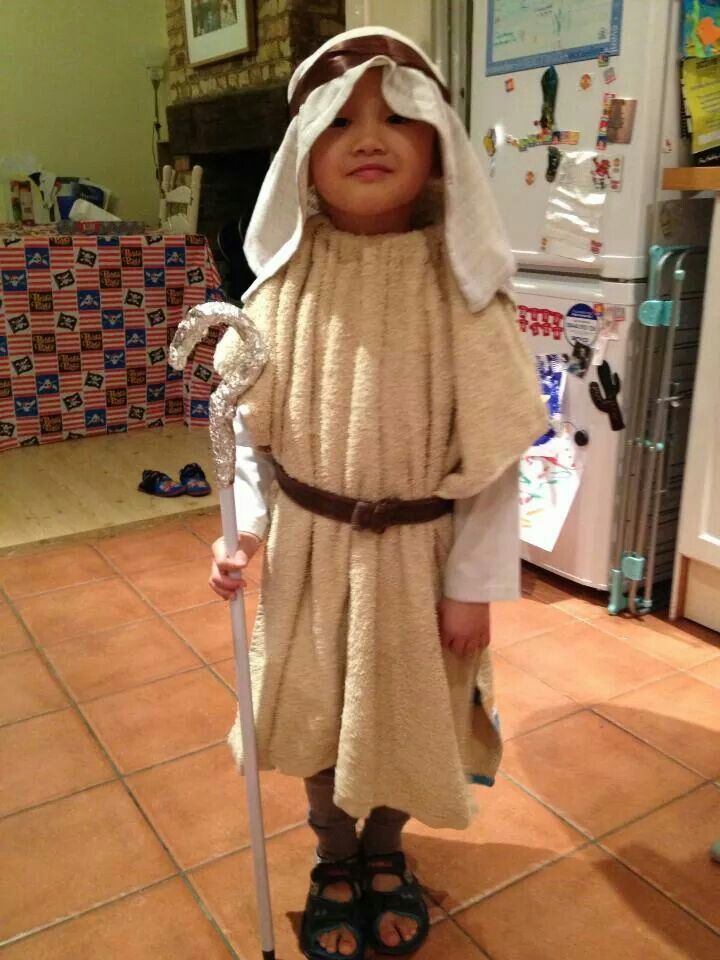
x=373 y=515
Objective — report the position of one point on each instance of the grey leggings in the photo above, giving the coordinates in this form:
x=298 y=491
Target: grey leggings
x=336 y=830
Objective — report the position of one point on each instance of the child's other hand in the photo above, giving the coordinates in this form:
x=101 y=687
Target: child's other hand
x=464 y=627
x=221 y=579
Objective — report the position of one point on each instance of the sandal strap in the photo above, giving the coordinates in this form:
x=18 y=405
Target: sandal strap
x=406 y=901
x=327 y=872
x=391 y=864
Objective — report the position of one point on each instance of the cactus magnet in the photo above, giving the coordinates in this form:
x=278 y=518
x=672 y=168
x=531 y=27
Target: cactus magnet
x=605 y=399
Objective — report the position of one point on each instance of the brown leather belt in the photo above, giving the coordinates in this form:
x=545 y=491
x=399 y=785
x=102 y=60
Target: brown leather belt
x=374 y=515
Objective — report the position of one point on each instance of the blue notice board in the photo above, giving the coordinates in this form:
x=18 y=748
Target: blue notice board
x=523 y=34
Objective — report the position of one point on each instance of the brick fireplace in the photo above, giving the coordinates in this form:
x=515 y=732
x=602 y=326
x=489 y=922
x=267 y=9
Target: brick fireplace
x=230 y=116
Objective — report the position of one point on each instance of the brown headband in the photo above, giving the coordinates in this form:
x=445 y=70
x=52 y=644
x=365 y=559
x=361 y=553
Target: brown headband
x=350 y=53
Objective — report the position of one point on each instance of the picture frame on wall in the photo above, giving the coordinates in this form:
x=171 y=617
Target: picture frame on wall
x=218 y=29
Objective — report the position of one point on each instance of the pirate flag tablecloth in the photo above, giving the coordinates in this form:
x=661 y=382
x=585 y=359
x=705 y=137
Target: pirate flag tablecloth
x=85 y=324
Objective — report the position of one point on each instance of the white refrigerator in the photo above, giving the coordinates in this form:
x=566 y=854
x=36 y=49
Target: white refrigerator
x=628 y=49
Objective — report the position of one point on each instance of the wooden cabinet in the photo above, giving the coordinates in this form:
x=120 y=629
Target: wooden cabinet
x=696 y=588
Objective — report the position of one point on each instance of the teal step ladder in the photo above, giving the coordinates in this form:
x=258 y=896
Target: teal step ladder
x=644 y=479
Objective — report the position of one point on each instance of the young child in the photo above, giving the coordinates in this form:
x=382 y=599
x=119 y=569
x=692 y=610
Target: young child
x=388 y=422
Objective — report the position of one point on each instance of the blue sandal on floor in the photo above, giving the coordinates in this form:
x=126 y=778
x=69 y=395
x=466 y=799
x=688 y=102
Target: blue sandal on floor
x=194 y=480
x=160 y=484
x=324 y=916
x=405 y=900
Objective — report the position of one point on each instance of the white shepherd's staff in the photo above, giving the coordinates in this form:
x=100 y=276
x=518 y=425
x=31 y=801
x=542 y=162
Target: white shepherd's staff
x=222 y=412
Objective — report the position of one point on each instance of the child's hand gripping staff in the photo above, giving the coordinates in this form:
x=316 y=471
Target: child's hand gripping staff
x=222 y=411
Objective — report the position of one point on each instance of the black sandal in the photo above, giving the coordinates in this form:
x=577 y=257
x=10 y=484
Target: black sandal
x=323 y=915
x=160 y=484
x=405 y=901
x=194 y=479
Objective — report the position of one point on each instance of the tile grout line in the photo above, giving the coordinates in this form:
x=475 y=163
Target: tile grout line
x=514 y=881
x=616 y=829
x=616 y=723
x=628 y=643
x=456 y=912
x=544 y=724
x=61 y=921
x=601 y=838
x=517 y=878
x=664 y=893
x=548 y=806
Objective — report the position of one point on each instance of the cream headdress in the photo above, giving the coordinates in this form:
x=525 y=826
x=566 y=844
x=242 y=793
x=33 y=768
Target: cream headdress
x=477 y=247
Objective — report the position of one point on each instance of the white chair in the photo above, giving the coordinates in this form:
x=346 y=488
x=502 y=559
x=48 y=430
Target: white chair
x=179 y=205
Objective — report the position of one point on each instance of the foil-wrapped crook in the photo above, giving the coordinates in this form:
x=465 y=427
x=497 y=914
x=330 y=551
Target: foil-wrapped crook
x=223 y=401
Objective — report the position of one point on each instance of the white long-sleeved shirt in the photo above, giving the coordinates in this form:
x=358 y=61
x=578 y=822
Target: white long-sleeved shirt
x=484 y=563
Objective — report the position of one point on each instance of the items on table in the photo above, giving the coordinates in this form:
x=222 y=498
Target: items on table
x=86 y=322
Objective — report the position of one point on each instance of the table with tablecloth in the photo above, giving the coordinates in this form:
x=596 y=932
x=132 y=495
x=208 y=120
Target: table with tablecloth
x=85 y=323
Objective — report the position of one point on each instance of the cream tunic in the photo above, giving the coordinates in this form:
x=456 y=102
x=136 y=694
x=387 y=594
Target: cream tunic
x=380 y=384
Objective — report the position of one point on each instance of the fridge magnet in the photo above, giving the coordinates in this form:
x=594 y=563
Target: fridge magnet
x=667 y=145
x=554 y=158
x=581 y=325
x=609 y=75
x=605 y=393
x=603 y=60
x=579 y=362
x=529 y=178
x=574 y=213
x=608 y=332
x=509 y=85
x=586 y=81
x=490 y=142
x=566 y=138
x=600 y=173
x=621 y=120
x=602 y=138
x=616 y=174
x=549 y=86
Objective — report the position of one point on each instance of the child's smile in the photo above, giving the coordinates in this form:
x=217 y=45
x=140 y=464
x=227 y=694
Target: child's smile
x=371 y=165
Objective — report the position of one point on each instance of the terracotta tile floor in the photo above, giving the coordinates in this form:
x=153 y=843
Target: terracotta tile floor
x=123 y=827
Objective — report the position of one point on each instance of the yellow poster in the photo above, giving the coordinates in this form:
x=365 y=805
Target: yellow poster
x=701 y=83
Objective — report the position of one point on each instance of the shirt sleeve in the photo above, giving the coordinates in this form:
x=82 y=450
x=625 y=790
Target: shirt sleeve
x=484 y=563
x=253 y=477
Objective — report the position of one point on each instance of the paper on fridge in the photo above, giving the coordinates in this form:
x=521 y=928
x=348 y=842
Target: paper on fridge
x=550 y=477
x=574 y=215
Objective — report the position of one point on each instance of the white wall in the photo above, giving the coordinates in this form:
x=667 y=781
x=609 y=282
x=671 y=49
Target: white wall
x=74 y=91
x=411 y=17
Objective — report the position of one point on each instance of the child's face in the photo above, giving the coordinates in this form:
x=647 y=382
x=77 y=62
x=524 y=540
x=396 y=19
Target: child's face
x=371 y=165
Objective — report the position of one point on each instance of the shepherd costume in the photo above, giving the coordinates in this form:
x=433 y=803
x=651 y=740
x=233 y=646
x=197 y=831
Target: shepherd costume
x=396 y=372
